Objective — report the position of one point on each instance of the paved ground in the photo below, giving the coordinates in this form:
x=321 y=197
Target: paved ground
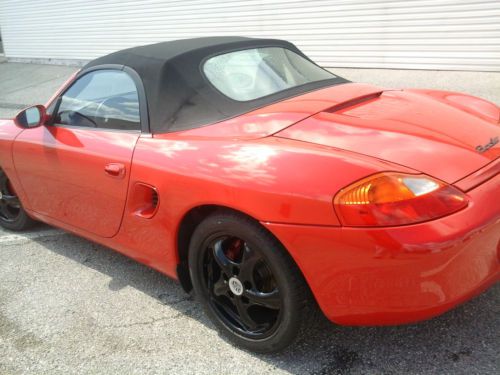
x=28 y=84
x=70 y=306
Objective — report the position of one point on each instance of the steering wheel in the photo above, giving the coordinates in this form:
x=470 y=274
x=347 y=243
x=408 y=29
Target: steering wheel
x=102 y=113
x=72 y=114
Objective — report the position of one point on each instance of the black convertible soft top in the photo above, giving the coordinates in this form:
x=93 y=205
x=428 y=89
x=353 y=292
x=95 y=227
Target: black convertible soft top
x=178 y=94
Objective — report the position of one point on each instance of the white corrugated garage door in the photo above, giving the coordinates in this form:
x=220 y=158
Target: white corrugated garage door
x=419 y=34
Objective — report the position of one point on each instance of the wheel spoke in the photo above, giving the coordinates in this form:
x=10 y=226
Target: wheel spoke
x=244 y=316
x=248 y=262
x=242 y=289
x=11 y=201
x=231 y=313
x=5 y=212
x=210 y=275
x=10 y=206
x=220 y=287
x=270 y=300
x=222 y=260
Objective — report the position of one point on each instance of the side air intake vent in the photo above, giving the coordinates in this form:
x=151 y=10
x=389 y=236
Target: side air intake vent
x=154 y=198
x=144 y=201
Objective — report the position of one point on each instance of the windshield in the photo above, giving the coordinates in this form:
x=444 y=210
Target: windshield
x=254 y=73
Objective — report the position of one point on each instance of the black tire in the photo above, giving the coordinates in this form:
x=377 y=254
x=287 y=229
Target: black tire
x=268 y=315
x=12 y=214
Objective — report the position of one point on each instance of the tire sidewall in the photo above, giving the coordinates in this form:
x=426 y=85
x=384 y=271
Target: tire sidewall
x=23 y=221
x=253 y=234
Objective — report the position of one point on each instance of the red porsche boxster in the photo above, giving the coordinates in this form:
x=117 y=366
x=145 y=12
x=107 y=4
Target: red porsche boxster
x=266 y=184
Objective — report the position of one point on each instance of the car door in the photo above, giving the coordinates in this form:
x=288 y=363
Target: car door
x=76 y=169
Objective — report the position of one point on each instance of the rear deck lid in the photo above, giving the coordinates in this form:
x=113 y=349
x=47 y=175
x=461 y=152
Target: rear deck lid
x=408 y=128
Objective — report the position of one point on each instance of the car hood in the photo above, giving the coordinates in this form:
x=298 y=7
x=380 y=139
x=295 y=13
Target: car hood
x=445 y=135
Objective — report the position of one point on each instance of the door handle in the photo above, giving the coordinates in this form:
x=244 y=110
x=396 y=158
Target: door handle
x=115 y=170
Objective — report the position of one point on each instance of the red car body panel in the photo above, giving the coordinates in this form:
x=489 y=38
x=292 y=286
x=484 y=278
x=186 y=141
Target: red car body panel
x=396 y=125
x=282 y=165
x=402 y=274
x=69 y=166
x=278 y=116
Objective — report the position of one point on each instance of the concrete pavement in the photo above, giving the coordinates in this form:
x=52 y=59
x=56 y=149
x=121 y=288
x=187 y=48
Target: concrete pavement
x=68 y=306
x=27 y=84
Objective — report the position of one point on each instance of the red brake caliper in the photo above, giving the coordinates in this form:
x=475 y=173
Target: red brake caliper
x=234 y=250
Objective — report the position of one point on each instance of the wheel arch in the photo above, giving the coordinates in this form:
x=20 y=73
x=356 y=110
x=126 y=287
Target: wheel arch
x=186 y=228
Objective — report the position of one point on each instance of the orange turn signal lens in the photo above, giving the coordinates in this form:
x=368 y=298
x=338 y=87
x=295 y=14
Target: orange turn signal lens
x=389 y=199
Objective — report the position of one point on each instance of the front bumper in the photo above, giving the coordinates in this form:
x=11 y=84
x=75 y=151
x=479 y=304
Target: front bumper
x=385 y=276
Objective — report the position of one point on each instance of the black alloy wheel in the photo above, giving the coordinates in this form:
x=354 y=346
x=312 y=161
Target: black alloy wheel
x=242 y=288
x=10 y=207
x=248 y=284
x=12 y=214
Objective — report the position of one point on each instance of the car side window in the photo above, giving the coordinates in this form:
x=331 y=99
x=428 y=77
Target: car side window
x=103 y=99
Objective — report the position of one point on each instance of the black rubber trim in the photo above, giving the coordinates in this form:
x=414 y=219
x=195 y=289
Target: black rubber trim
x=143 y=104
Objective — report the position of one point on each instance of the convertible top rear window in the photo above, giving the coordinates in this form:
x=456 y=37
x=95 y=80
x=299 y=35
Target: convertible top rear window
x=181 y=95
x=254 y=73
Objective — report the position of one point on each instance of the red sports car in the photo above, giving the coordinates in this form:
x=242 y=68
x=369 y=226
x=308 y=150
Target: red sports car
x=266 y=184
